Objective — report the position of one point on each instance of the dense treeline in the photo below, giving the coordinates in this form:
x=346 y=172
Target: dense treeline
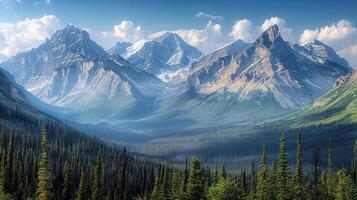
x=63 y=164
x=276 y=181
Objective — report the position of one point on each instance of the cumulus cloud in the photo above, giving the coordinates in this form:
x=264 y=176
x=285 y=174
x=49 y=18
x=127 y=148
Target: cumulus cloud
x=350 y=53
x=337 y=34
x=125 y=31
x=26 y=34
x=208 y=16
x=285 y=32
x=206 y=39
x=245 y=30
x=341 y=36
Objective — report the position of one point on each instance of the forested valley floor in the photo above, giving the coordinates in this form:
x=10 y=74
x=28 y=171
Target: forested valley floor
x=61 y=163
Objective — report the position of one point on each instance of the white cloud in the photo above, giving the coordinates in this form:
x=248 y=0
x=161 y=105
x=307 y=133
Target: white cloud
x=342 y=36
x=124 y=31
x=207 y=39
x=337 y=35
x=285 y=32
x=128 y=31
x=350 y=53
x=26 y=34
x=244 y=30
x=208 y=16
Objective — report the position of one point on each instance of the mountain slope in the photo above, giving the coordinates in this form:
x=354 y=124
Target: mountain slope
x=337 y=106
x=72 y=71
x=119 y=48
x=15 y=100
x=166 y=52
x=268 y=69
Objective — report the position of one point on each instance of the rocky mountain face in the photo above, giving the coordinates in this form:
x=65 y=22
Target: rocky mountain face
x=125 y=89
x=14 y=98
x=319 y=52
x=165 y=53
x=270 y=69
x=119 y=48
x=70 y=70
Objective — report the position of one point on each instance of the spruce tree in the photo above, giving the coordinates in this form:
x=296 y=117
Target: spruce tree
x=273 y=181
x=283 y=170
x=82 y=190
x=343 y=186
x=225 y=189
x=9 y=165
x=44 y=175
x=315 y=185
x=195 y=187
x=298 y=176
x=330 y=177
x=157 y=185
x=67 y=186
x=97 y=185
x=262 y=187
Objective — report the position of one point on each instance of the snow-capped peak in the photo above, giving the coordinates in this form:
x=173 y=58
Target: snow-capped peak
x=161 y=52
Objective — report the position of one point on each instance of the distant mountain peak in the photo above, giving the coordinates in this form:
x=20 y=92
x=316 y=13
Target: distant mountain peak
x=317 y=42
x=269 y=36
x=325 y=52
x=69 y=32
x=163 y=52
x=163 y=35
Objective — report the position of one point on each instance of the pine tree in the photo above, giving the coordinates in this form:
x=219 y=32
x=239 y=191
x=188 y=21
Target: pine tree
x=97 y=187
x=82 y=190
x=315 y=185
x=273 y=181
x=195 y=187
x=44 y=175
x=343 y=186
x=9 y=165
x=298 y=176
x=67 y=186
x=262 y=187
x=157 y=185
x=283 y=170
x=225 y=189
x=330 y=177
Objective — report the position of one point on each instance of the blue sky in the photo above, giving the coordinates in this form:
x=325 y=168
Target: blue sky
x=216 y=22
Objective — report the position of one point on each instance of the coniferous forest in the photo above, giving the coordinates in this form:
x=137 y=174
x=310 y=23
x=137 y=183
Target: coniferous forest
x=178 y=100
x=60 y=163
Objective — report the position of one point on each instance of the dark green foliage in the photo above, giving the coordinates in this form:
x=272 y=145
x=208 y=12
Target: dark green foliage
x=82 y=190
x=98 y=180
x=44 y=175
x=299 y=190
x=69 y=165
x=262 y=188
x=195 y=188
x=225 y=189
x=284 y=190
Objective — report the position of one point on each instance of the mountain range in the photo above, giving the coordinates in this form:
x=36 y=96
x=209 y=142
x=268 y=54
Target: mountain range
x=161 y=85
